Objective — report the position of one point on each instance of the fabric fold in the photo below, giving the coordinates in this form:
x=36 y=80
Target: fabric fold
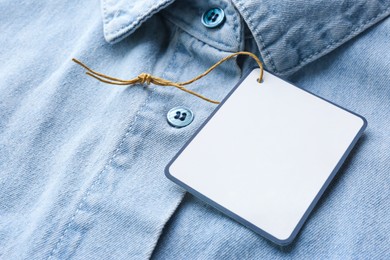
x=291 y=34
x=123 y=17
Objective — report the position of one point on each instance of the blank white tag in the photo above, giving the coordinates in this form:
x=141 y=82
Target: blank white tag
x=266 y=155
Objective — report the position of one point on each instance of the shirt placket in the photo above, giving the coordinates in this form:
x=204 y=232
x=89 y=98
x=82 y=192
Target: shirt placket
x=130 y=197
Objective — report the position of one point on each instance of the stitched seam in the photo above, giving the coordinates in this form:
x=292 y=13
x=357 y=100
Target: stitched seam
x=194 y=36
x=115 y=153
x=138 y=20
x=159 y=233
x=345 y=37
x=181 y=200
x=236 y=24
x=235 y=27
x=319 y=52
x=104 y=15
x=210 y=46
x=264 y=51
x=97 y=181
x=200 y=31
x=199 y=40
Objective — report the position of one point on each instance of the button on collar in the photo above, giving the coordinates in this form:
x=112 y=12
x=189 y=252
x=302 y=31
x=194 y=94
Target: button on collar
x=213 y=17
x=180 y=117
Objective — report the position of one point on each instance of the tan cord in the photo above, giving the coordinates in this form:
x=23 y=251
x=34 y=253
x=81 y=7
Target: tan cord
x=147 y=79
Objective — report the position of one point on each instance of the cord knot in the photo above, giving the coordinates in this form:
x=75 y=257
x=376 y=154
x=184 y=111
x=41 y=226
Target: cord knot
x=145 y=78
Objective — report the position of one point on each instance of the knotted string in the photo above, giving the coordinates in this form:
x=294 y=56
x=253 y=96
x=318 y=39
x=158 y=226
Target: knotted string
x=145 y=78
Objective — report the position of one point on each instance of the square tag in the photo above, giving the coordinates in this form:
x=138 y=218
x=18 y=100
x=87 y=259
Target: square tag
x=266 y=155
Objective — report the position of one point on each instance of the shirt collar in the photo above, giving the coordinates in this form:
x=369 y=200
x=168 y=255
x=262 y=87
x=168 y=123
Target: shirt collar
x=289 y=34
x=122 y=17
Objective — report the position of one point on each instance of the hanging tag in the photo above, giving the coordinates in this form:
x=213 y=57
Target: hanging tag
x=266 y=155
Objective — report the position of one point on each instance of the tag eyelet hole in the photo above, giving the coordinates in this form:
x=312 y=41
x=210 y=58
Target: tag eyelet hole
x=260 y=81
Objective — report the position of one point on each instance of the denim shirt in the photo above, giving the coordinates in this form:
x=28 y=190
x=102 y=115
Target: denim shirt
x=82 y=162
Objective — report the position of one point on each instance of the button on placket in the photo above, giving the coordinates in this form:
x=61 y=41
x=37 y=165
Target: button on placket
x=180 y=117
x=213 y=17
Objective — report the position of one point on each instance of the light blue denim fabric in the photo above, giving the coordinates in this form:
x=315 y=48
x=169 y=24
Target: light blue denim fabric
x=82 y=163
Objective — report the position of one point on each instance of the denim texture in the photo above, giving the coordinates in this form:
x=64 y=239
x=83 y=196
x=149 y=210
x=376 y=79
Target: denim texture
x=82 y=162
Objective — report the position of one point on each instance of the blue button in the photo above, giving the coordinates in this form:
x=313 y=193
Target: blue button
x=180 y=117
x=213 y=17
